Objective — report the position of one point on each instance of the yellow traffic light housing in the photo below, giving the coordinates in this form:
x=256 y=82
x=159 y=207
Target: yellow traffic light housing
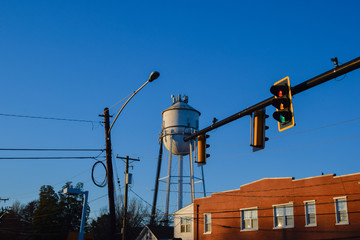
x=283 y=103
x=258 y=138
x=202 y=146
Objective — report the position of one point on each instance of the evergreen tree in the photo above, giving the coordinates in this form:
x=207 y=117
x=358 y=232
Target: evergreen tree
x=46 y=223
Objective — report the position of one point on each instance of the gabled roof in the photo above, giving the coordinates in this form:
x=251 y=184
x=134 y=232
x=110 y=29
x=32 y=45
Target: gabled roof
x=159 y=232
x=162 y=232
x=184 y=208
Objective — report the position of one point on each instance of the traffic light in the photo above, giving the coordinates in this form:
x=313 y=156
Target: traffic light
x=258 y=130
x=202 y=146
x=284 y=109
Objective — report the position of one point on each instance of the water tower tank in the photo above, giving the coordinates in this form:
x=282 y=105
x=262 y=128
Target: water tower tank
x=179 y=121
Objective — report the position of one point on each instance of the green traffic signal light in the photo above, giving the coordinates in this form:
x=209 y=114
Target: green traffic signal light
x=282 y=116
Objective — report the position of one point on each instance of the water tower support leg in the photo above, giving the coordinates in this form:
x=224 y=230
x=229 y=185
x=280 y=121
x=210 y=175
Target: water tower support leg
x=168 y=187
x=191 y=164
x=153 y=209
x=180 y=183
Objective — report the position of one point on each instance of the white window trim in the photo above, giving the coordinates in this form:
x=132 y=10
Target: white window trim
x=306 y=215
x=186 y=218
x=336 y=211
x=208 y=232
x=242 y=229
x=274 y=217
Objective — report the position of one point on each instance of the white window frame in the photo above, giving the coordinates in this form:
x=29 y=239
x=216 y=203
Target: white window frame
x=307 y=213
x=337 y=211
x=207 y=223
x=285 y=217
x=252 y=220
x=185 y=224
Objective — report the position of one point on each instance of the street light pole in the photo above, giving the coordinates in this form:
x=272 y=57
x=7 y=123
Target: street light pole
x=109 y=168
x=77 y=191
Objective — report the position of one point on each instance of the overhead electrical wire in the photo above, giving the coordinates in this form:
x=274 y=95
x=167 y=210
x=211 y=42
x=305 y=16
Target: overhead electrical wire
x=296 y=133
x=121 y=100
x=52 y=149
x=155 y=156
x=42 y=158
x=49 y=118
x=55 y=212
x=138 y=196
x=321 y=127
x=277 y=189
x=103 y=183
x=63 y=119
x=271 y=207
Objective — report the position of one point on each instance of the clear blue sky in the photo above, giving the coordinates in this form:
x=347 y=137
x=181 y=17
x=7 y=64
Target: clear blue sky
x=71 y=59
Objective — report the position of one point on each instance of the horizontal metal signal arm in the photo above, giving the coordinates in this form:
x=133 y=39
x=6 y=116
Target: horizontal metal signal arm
x=238 y=115
x=331 y=74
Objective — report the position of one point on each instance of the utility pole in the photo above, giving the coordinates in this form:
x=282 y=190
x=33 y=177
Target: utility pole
x=109 y=174
x=126 y=193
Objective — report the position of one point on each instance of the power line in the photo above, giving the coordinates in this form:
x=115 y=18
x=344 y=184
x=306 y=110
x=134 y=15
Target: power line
x=258 y=193
x=137 y=195
x=321 y=127
x=270 y=208
x=52 y=149
x=48 y=118
x=41 y=158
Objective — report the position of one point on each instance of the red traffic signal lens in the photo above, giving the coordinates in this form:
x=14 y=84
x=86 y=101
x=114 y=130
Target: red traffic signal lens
x=280 y=90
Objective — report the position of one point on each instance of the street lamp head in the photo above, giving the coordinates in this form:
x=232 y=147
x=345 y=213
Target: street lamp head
x=153 y=76
x=72 y=191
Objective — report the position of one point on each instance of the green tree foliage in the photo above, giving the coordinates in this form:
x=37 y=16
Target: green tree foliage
x=52 y=216
x=55 y=214
x=10 y=223
x=45 y=222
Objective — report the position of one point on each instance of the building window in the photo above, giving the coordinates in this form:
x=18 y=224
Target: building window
x=249 y=219
x=207 y=223
x=283 y=216
x=185 y=224
x=341 y=213
x=310 y=213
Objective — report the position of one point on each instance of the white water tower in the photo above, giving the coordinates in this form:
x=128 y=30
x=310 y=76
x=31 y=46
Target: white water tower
x=179 y=121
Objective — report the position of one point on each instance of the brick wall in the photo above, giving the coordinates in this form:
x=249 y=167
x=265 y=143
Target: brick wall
x=263 y=194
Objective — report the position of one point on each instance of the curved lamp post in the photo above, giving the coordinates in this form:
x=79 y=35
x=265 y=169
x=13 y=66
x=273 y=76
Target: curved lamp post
x=77 y=191
x=153 y=76
x=109 y=171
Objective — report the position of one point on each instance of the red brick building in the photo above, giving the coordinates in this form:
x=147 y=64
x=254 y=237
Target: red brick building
x=322 y=207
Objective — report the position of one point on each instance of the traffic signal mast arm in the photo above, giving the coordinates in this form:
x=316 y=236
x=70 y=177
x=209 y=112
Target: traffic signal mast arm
x=326 y=76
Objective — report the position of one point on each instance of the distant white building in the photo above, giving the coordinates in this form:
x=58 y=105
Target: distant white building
x=184 y=223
